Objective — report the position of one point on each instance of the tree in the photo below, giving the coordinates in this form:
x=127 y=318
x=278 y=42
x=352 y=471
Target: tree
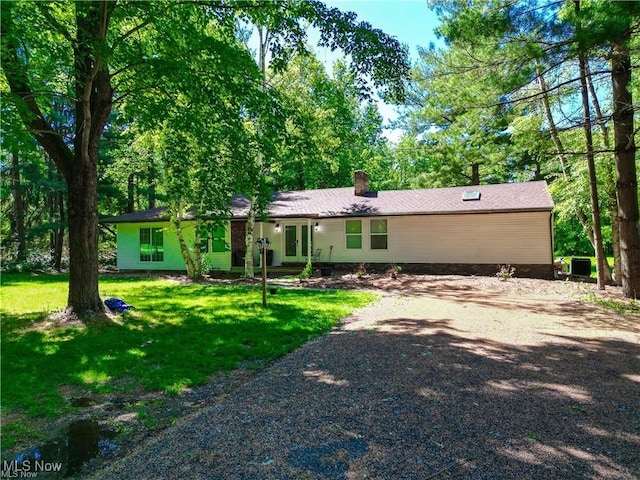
x=18 y=205
x=463 y=123
x=567 y=187
x=593 y=185
x=376 y=58
x=329 y=133
x=625 y=151
x=199 y=149
x=85 y=32
x=32 y=198
x=97 y=48
x=610 y=184
x=535 y=42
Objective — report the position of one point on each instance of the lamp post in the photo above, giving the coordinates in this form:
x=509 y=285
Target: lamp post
x=263 y=246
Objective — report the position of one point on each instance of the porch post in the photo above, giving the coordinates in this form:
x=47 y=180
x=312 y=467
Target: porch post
x=261 y=236
x=309 y=234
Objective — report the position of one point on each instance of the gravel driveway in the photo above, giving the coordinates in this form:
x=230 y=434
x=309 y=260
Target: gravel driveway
x=449 y=378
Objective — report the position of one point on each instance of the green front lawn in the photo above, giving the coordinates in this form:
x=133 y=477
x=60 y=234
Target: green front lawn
x=176 y=336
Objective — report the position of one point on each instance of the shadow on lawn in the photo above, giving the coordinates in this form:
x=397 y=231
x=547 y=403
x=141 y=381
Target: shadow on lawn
x=169 y=342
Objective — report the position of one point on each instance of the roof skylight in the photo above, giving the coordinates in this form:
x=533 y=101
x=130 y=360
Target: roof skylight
x=469 y=195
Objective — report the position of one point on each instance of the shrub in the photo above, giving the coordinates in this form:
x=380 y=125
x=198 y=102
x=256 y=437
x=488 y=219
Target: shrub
x=206 y=264
x=36 y=262
x=307 y=271
x=505 y=271
x=361 y=270
x=394 y=270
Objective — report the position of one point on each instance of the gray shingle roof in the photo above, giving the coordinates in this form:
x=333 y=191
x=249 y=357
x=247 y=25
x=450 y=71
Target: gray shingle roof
x=340 y=202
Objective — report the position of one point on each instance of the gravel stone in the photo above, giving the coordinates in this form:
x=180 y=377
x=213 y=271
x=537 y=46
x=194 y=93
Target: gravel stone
x=442 y=378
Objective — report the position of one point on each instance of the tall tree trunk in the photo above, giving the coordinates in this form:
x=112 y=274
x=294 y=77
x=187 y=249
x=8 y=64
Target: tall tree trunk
x=82 y=212
x=625 y=151
x=51 y=204
x=94 y=97
x=59 y=242
x=192 y=264
x=475 y=173
x=93 y=106
x=56 y=216
x=18 y=207
x=131 y=188
x=248 y=255
x=152 y=186
x=609 y=181
x=560 y=151
x=593 y=185
x=300 y=175
x=553 y=130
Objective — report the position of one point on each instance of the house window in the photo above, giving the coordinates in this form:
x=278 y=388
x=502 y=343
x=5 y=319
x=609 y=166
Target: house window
x=378 y=234
x=219 y=239
x=354 y=234
x=151 y=245
x=214 y=240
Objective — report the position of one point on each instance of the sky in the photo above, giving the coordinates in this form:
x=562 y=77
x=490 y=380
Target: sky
x=410 y=21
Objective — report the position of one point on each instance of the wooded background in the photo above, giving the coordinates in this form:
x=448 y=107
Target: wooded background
x=116 y=107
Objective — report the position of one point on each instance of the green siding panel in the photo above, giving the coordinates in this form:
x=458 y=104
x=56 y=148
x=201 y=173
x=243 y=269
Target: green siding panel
x=128 y=249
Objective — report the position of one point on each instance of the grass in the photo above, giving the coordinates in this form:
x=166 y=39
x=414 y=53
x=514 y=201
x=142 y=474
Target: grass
x=177 y=336
x=622 y=307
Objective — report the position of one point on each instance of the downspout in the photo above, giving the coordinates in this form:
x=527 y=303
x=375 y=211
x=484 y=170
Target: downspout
x=552 y=245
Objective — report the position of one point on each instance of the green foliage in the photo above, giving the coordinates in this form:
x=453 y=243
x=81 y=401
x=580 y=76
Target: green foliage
x=35 y=262
x=505 y=272
x=26 y=169
x=188 y=112
x=307 y=271
x=176 y=337
x=620 y=306
x=328 y=132
x=570 y=237
x=459 y=127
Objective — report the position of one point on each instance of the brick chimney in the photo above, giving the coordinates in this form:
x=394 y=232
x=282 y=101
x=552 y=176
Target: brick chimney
x=361 y=183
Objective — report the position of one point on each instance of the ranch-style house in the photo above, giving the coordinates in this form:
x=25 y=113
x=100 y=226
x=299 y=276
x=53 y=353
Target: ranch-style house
x=461 y=230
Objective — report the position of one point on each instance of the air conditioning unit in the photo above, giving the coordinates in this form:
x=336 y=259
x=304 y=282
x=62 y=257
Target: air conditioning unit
x=581 y=266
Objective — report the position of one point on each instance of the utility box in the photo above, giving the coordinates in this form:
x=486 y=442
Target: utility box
x=581 y=266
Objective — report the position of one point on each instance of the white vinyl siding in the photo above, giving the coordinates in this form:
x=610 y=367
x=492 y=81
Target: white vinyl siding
x=492 y=238
x=496 y=238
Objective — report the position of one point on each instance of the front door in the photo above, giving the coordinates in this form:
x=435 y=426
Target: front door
x=296 y=242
